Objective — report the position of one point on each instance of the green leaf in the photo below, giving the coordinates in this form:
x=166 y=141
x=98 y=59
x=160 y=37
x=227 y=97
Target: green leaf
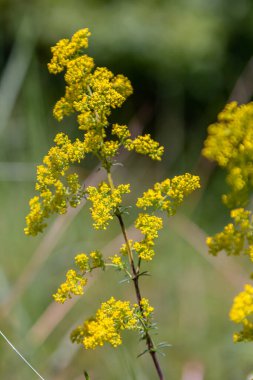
x=144 y=352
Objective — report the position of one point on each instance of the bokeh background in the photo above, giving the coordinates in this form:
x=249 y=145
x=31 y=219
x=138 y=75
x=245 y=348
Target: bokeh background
x=186 y=59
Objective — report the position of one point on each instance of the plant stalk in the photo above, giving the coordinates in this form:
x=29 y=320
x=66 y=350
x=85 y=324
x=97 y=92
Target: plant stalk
x=135 y=278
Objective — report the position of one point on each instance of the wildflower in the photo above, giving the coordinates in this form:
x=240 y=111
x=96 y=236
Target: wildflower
x=117 y=261
x=97 y=260
x=78 y=69
x=35 y=220
x=236 y=237
x=110 y=149
x=82 y=261
x=57 y=189
x=105 y=202
x=147 y=310
x=122 y=85
x=65 y=49
x=73 y=285
x=123 y=249
x=93 y=141
x=121 y=131
x=144 y=249
x=92 y=93
x=149 y=225
x=169 y=194
x=229 y=143
x=75 y=281
x=145 y=145
x=242 y=312
x=112 y=318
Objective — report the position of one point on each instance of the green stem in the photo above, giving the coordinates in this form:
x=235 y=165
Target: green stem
x=116 y=266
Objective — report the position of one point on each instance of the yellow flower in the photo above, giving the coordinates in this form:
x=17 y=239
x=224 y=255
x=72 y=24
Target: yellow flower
x=147 y=310
x=73 y=285
x=97 y=260
x=75 y=281
x=65 y=49
x=57 y=189
x=35 y=219
x=105 y=202
x=82 y=261
x=92 y=92
x=242 y=312
x=123 y=249
x=144 y=249
x=117 y=260
x=236 y=237
x=169 y=194
x=149 y=225
x=145 y=145
x=112 y=318
x=229 y=143
x=121 y=131
x=78 y=69
x=110 y=149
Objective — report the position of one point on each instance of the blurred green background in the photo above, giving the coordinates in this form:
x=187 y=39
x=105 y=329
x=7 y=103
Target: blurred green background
x=186 y=59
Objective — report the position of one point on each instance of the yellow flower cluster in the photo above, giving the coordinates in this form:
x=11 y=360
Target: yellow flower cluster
x=121 y=131
x=236 y=237
x=75 y=281
x=97 y=260
x=105 y=202
x=82 y=261
x=169 y=194
x=95 y=96
x=110 y=149
x=230 y=144
x=147 y=310
x=92 y=92
x=77 y=72
x=242 y=312
x=149 y=225
x=142 y=144
x=66 y=49
x=117 y=261
x=123 y=248
x=145 y=145
x=73 y=285
x=112 y=318
x=57 y=188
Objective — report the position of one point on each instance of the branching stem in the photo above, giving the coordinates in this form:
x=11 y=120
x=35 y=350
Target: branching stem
x=135 y=277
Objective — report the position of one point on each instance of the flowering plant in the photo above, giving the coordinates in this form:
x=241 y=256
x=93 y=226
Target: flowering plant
x=230 y=144
x=91 y=93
